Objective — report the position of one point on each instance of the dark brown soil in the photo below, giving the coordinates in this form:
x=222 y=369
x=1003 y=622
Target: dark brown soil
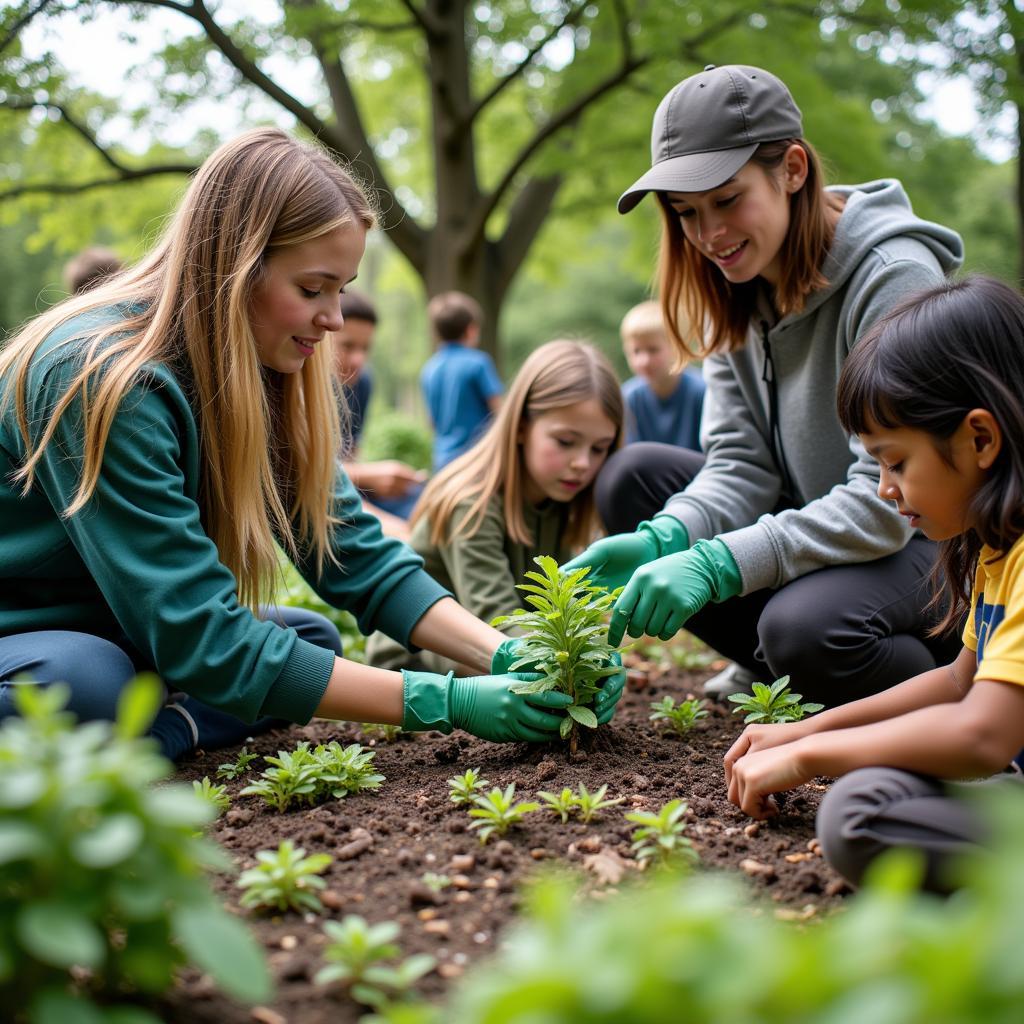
x=410 y=828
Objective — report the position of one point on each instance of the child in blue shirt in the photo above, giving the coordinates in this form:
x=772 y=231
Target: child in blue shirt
x=460 y=384
x=663 y=405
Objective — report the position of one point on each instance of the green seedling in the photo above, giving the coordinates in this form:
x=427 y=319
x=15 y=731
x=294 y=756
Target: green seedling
x=590 y=804
x=216 y=795
x=381 y=731
x=355 y=951
x=681 y=717
x=235 y=769
x=435 y=882
x=562 y=804
x=565 y=640
x=284 y=879
x=292 y=777
x=772 y=704
x=496 y=812
x=345 y=770
x=462 y=789
x=661 y=836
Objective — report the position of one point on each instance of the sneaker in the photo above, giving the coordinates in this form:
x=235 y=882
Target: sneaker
x=732 y=679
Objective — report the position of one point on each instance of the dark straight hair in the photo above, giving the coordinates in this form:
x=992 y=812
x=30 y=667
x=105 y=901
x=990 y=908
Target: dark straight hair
x=926 y=365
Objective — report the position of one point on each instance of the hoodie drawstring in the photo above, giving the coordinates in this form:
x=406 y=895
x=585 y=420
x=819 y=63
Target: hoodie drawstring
x=774 y=427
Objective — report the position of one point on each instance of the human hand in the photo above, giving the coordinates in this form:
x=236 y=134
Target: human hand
x=389 y=478
x=482 y=705
x=756 y=776
x=662 y=595
x=761 y=737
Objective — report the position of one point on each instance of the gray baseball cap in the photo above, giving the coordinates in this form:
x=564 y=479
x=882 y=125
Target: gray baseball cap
x=708 y=127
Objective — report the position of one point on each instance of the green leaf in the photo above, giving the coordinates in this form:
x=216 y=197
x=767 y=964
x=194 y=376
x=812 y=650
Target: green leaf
x=59 y=935
x=221 y=945
x=137 y=705
x=565 y=728
x=20 y=840
x=114 y=840
x=54 y=1006
x=583 y=715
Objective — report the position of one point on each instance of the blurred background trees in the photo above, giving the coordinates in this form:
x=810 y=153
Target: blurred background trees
x=497 y=135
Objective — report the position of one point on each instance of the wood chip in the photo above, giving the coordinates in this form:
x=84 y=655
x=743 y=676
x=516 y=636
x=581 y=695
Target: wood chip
x=462 y=882
x=450 y=971
x=792 y=914
x=752 y=829
x=288 y=942
x=756 y=869
x=607 y=866
x=426 y=914
x=796 y=858
x=265 y=1015
x=462 y=863
x=437 y=927
x=814 y=846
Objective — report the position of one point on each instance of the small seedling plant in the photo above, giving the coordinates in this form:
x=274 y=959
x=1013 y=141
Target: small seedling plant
x=434 y=881
x=383 y=731
x=681 y=717
x=497 y=811
x=462 y=789
x=772 y=704
x=564 y=640
x=590 y=804
x=562 y=804
x=355 y=952
x=660 y=837
x=237 y=768
x=307 y=776
x=216 y=795
x=284 y=879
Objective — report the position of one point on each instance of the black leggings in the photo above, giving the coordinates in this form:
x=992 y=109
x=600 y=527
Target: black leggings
x=840 y=634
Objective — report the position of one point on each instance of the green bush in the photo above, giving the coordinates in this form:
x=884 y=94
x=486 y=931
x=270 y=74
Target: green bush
x=102 y=874
x=394 y=435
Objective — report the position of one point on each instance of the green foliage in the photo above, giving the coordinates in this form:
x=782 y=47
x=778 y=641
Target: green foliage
x=692 y=948
x=590 y=804
x=308 y=776
x=565 y=639
x=434 y=881
x=355 y=953
x=681 y=717
x=284 y=879
x=235 y=769
x=384 y=731
x=395 y=435
x=772 y=704
x=464 y=788
x=561 y=804
x=102 y=874
x=661 y=837
x=216 y=796
x=496 y=812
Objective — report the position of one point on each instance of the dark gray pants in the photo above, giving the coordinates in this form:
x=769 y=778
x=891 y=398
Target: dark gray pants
x=873 y=810
x=840 y=633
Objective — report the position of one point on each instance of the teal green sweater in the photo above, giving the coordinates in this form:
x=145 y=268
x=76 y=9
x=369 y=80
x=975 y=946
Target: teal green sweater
x=136 y=562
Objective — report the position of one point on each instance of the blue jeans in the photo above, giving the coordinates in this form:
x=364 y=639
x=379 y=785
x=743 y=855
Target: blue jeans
x=97 y=670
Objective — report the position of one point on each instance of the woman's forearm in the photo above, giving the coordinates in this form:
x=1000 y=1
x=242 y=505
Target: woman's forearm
x=449 y=630
x=361 y=693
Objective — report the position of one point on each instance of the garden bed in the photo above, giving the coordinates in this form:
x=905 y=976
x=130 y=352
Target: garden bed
x=384 y=843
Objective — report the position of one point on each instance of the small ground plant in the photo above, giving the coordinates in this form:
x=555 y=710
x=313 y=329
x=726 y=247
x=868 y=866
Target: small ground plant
x=681 y=717
x=565 y=640
x=284 y=879
x=496 y=812
x=590 y=804
x=462 y=789
x=561 y=804
x=772 y=704
x=384 y=731
x=237 y=768
x=216 y=795
x=660 y=837
x=102 y=883
x=307 y=776
x=355 y=953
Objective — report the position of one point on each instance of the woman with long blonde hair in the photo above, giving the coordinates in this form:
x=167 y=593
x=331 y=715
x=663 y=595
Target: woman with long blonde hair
x=163 y=434
x=525 y=489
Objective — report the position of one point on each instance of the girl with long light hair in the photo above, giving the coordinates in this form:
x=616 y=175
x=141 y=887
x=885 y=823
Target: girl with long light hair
x=162 y=435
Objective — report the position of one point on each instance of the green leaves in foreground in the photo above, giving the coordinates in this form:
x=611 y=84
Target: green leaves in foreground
x=772 y=704
x=102 y=870
x=565 y=639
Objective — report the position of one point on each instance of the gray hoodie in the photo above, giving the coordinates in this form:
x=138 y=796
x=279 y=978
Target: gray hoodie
x=881 y=254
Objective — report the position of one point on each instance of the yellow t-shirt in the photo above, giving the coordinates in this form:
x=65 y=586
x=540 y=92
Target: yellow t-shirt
x=995 y=626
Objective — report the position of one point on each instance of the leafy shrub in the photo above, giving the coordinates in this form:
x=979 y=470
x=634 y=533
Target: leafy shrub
x=496 y=812
x=394 y=435
x=681 y=717
x=463 y=788
x=661 y=836
x=216 y=796
x=284 y=879
x=772 y=704
x=565 y=640
x=102 y=873
x=306 y=776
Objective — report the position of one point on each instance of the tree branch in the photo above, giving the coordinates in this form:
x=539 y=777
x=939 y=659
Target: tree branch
x=573 y=16
x=421 y=17
x=12 y=33
x=75 y=188
x=526 y=217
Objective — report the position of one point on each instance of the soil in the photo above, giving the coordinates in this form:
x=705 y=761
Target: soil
x=384 y=843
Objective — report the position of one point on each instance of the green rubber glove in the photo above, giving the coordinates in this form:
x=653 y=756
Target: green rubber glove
x=613 y=560
x=611 y=688
x=661 y=596
x=482 y=705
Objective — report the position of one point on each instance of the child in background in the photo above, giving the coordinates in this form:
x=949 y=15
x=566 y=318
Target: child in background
x=460 y=384
x=662 y=405
x=389 y=488
x=525 y=489
x=89 y=268
x=935 y=392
